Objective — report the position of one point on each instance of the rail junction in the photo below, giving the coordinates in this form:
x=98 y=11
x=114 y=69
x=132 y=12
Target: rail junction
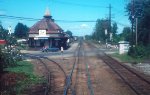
x=88 y=71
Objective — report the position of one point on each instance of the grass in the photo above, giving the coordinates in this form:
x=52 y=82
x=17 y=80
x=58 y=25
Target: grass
x=22 y=67
x=127 y=58
x=26 y=68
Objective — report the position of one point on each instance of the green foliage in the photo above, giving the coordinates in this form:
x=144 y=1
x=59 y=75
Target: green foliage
x=99 y=32
x=22 y=67
x=69 y=33
x=21 y=31
x=3 y=33
x=115 y=38
x=25 y=68
x=9 y=57
x=10 y=39
x=142 y=12
x=125 y=35
x=126 y=58
x=139 y=51
x=1 y=61
x=88 y=37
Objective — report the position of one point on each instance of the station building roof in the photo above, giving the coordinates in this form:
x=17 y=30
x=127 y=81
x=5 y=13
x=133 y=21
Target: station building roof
x=47 y=23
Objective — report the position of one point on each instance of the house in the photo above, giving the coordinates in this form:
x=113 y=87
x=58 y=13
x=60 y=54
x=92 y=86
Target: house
x=47 y=33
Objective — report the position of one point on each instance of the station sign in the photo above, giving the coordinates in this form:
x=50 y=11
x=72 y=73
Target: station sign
x=42 y=32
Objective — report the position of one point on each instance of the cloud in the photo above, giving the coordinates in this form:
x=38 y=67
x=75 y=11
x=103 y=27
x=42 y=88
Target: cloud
x=84 y=26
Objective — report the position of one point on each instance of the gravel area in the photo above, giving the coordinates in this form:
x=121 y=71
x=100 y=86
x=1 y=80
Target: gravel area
x=72 y=47
x=142 y=67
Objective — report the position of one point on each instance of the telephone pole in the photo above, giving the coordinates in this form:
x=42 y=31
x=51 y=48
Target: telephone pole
x=136 y=32
x=109 y=22
x=110 y=17
x=132 y=21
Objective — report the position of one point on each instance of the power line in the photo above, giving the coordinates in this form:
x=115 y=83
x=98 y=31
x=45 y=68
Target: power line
x=33 y=19
x=64 y=21
x=69 y=21
x=121 y=23
x=19 y=18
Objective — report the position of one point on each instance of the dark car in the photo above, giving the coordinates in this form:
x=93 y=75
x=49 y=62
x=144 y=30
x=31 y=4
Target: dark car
x=53 y=49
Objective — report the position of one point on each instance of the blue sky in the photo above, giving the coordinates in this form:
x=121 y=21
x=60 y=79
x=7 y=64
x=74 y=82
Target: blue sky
x=74 y=10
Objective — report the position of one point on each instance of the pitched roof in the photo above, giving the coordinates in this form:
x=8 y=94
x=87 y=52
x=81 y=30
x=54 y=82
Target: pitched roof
x=47 y=23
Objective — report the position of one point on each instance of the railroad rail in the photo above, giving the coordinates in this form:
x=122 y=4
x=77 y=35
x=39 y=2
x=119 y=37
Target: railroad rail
x=69 y=77
x=49 y=73
x=89 y=83
x=78 y=56
x=48 y=80
x=140 y=84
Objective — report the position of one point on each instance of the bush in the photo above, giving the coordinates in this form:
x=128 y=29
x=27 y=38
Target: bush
x=138 y=51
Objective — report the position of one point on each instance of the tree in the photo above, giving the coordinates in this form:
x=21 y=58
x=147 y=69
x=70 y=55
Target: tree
x=114 y=32
x=3 y=33
x=88 y=37
x=140 y=9
x=126 y=34
x=69 y=33
x=99 y=32
x=21 y=31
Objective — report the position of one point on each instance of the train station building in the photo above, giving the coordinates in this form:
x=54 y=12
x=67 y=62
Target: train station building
x=46 y=33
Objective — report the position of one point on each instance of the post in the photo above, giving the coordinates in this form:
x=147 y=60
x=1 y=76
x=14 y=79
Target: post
x=106 y=36
x=132 y=22
x=110 y=18
x=136 y=30
x=62 y=50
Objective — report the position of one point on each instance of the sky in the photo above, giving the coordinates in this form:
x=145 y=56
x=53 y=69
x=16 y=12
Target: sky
x=66 y=10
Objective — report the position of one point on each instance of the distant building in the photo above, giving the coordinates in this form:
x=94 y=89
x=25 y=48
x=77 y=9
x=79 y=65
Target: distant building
x=2 y=42
x=47 y=33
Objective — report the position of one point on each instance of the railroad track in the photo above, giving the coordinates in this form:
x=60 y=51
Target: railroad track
x=79 y=77
x=49 y=74
x=89 y=82
x=140 y=84
x=68 y=88
x=79 y=80
x=67 y=78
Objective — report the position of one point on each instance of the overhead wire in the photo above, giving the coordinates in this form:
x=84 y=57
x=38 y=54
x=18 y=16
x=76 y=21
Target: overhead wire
x=33 y=19
x=64 y=21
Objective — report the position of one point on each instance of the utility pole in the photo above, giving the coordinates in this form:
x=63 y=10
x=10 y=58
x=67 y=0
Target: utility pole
x=136 y=31
x=108 y=30
x=110 y=18
x=132 y=21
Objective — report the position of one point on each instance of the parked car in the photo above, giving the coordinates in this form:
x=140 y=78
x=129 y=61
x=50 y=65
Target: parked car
x=53 y=49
